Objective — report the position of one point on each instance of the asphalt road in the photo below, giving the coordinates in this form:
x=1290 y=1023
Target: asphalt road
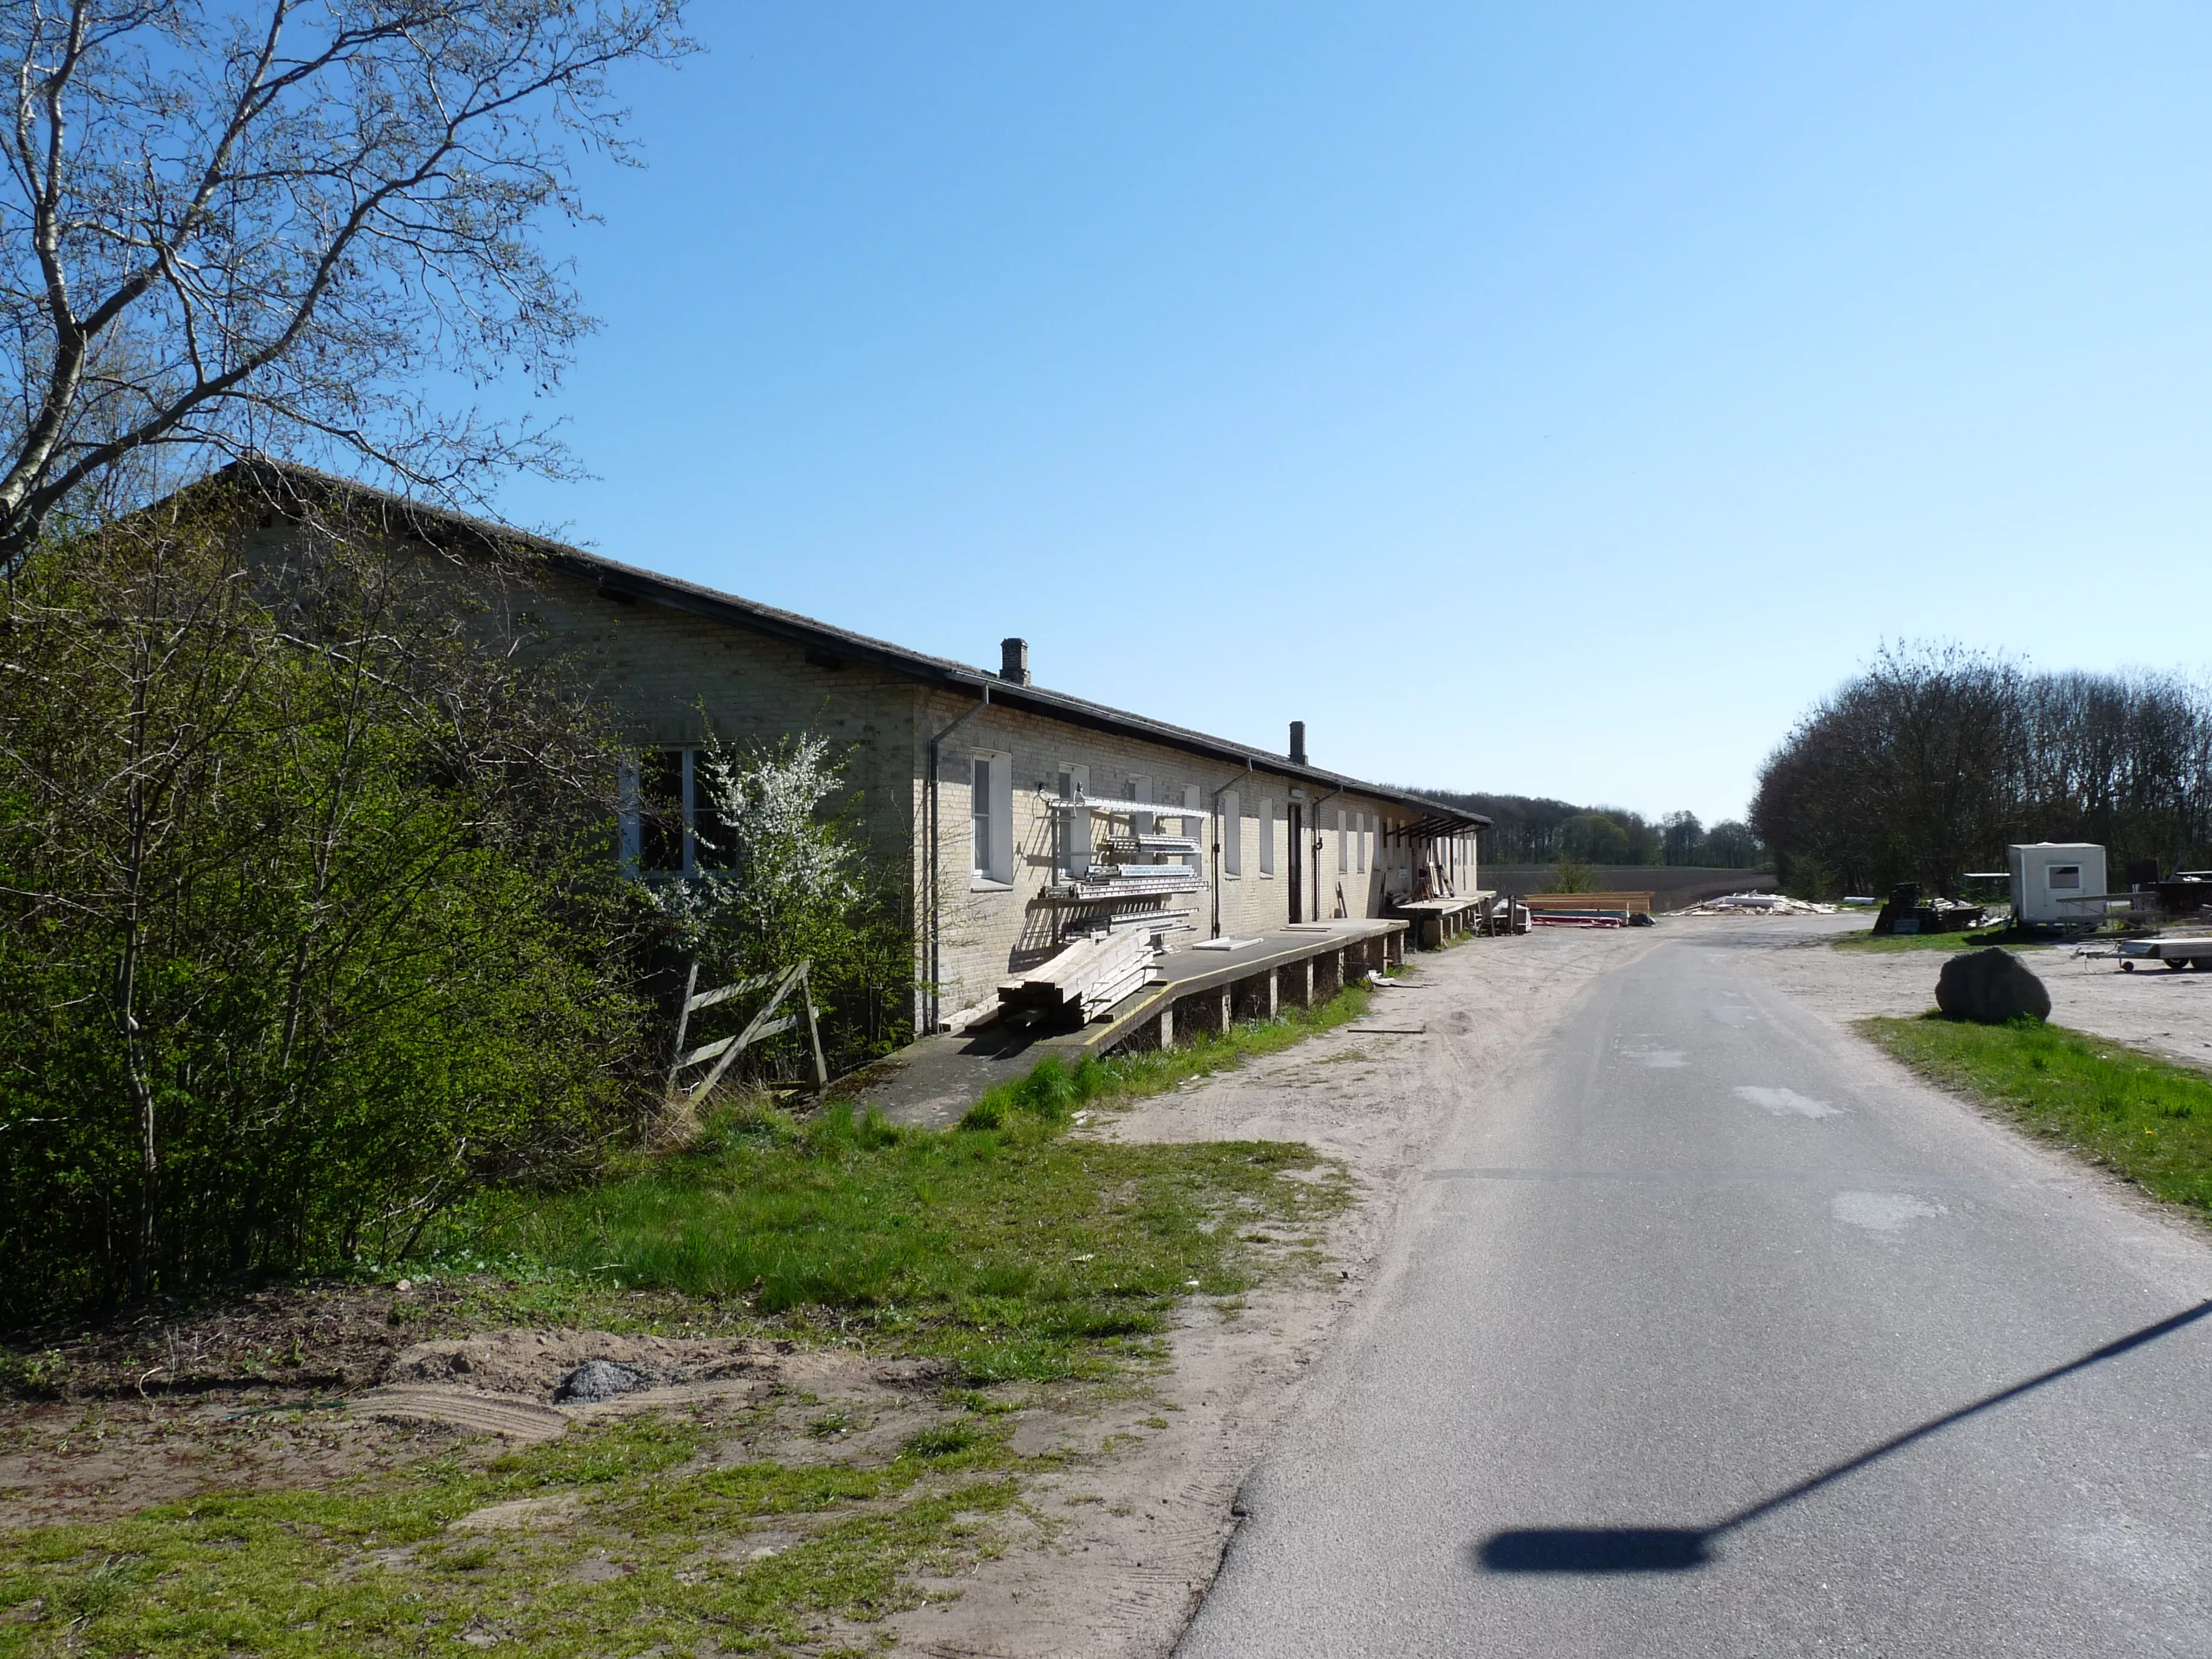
x=1698 y=1250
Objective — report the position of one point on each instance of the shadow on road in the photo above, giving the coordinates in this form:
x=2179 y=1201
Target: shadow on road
x=1686 y=1549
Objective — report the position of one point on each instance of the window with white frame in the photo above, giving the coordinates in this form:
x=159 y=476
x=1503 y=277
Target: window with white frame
x=1343 y=847
x=1194 y=826
x=1267 y=837
x=1360 y=844
x=1140 y=788
x=1072 y=833
x=662 y=812
x=1233 y=834
x=991 y=814
x=979 y=817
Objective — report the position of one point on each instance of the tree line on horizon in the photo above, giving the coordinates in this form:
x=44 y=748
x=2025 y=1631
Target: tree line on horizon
x=1537 y=829
x=1928 y=764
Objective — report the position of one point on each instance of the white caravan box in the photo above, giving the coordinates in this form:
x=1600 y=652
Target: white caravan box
x=2045 y=874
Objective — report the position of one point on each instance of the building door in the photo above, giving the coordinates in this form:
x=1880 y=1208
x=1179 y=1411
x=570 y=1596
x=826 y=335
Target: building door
x=1297 y=883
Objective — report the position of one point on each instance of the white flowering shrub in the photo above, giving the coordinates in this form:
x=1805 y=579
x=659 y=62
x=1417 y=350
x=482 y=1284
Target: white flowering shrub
x=770 y=866
x=782 y=875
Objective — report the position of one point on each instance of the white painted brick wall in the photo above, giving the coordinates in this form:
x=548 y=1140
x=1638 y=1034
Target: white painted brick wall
x=667 y=673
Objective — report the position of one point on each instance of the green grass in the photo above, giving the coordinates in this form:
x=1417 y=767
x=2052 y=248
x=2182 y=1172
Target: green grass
x=1003 y=1245
x=1052 y=1090
x=1952 y=943
x=371 y=1567
x=2143 y=1117
x=1015 y=1251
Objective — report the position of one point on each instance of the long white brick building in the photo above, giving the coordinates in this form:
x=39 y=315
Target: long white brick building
x=974 y=781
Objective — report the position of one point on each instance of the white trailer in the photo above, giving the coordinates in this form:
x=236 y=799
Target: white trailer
x=2055 y=881
x=2173 y=952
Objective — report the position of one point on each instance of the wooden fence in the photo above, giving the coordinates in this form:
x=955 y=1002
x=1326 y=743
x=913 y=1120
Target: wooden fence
x=766 y=1023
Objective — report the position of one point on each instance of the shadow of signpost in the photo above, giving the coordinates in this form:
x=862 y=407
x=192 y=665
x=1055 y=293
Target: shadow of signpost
x=1597 y=1549
x=1686 y=1549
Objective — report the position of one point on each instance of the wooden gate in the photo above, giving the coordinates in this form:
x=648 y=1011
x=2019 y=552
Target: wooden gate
x=764 y=1024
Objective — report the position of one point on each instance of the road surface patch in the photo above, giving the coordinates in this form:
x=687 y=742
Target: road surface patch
x=1882 y=1212
x=1786 y=1103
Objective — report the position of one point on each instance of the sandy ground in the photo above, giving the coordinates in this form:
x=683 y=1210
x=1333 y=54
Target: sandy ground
x=98 y=1456
x=2158 y=1009
x=1127 y=1543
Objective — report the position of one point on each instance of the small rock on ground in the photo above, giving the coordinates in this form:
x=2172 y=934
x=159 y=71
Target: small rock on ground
x=596 y=1380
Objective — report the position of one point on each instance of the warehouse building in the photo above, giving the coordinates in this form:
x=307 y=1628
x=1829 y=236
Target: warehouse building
x=1018 y=814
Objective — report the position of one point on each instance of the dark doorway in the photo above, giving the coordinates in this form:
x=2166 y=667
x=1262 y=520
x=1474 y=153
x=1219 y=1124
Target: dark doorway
x=1296 y=871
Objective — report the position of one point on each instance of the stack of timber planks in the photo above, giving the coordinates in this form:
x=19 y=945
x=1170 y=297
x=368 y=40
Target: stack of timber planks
x=1086 y=978
x=1586 y=909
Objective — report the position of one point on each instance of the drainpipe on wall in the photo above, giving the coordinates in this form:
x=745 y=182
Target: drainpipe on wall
x=936 y=873
x=1315 y=914
x=1217 y=794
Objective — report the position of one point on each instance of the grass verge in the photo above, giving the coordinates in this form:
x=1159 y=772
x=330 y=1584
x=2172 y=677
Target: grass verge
x=1014 y=1251
x=1952 y=943
x=1002 y=1244
x=1052 y=1089
x=2140 y=1115
x=649 y=1554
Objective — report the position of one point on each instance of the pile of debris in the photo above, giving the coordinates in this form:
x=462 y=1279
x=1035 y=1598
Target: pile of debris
x=1504 y=916
x=2186 y=893
x=1757 y=904
x=1906 y=912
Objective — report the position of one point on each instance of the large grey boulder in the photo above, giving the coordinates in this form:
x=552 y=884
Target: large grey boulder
x=1990 y=987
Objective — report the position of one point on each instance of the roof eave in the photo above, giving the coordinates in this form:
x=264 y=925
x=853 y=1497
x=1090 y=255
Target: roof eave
x=441 y=524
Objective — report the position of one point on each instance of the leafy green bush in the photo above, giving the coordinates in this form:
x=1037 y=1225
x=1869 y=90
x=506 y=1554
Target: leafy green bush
x=309 y=918
x=1572 y=876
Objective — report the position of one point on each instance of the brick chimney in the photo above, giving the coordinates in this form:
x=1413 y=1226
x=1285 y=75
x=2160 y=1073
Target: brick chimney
x=1298 y=743
x=1014 y=661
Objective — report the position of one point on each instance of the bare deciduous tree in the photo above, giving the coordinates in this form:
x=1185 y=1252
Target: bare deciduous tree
x=1923 y=767
x=249 y=225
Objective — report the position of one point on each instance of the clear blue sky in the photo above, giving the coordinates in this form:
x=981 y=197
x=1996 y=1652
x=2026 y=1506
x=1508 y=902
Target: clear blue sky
x=1550 y=399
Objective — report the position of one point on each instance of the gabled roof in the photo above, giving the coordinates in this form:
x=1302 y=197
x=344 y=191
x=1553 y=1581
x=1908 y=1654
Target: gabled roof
x=288 y=483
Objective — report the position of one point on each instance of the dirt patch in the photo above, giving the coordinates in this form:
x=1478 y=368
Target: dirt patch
x=535 y=1364
x=298 y=1338
x=516 y=1383
x=250 y=1391
x=92 y=1460
x=99 y=1457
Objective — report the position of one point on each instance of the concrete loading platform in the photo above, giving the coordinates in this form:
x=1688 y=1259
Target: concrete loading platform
x=1208 y=990
x=933 y=1081
x=1436 y=921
